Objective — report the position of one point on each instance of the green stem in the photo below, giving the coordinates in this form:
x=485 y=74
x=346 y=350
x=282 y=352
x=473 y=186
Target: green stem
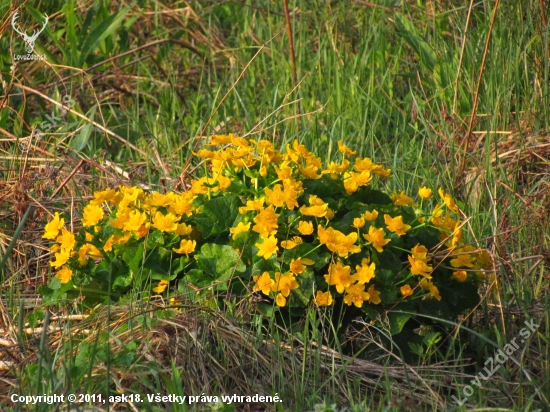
x=315 y=248
x=16 y=236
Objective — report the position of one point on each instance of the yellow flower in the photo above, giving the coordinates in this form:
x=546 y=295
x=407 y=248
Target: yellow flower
x=323 y=298
x=202 y=186
x=297 y=266
x=89 y=237
x=268 y=247
x=266 y=222
x=406 y=291
x=130 y=195
x=241 y=228
x=65 y=274
x=335 y=168
x=205 y=153
x=457 y=235
x=60 y=258
x=284 y=171
x=159 y=200
x=143 y=230
x=420 y=252
x=161 y=286
x=116 y=240
x=314 y=200
x=382 y=172
x=280 y=300
x=220 y=139
x=371 y=216
x=252 y=205
x=292 y=243
x=182 y=204
x=66 y=240
x=427 y=285
x=92 y=215
x=419 y=267
x=88 y=250
x=356 y=294
x=396 y=224
x=425 y=193
x=136 y=219
x=183 y=229
x=337 y=242
x=223 y=181
x=346 y=151
x=239 y=141
x=186 y=247
x=447 y=225
x=449 y=202
x=276 y=197
x=263 y=283
x=365 y=272
x=121 y=218
x=483 y=259
x=339 y=276
x=316 y=210
x=376 y=238
x=353 y=181
x=284 y=283
x=401 y=199
x=365 y=165
x=107 y=195
x=166 y=223
x=460 y=275
x=374 y=295
x=310 y=172
x=305 y=228
x=280 y=197
x=51 y=230
x=463 y=258
x=292 y=190
x=358 y=222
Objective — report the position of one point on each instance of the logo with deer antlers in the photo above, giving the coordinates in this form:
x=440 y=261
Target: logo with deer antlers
x=29 y=40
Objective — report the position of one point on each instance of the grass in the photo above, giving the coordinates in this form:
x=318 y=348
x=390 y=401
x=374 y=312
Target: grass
x=397 y=82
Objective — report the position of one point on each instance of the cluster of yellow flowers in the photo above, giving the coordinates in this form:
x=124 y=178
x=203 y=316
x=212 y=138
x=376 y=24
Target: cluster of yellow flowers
x=136 y=215
x=271 y=184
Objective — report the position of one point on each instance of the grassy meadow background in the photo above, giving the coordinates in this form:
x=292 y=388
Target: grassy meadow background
x=448 y=94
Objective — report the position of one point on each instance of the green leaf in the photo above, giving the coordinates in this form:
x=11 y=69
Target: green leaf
x=133 y=256
x=159 y=262
x=420 y=46
x=324 y=187
x=265 y=265
x=101 y=32
x=81 y=140
x=219 y=261
x=397 y=321
x=122 y=281
x=217 y=215
x=416 y=348
x=197 y=277
x=37 y=315
x=267 y=309
x=368 y=196
x=245 y=243
x=303 y=294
